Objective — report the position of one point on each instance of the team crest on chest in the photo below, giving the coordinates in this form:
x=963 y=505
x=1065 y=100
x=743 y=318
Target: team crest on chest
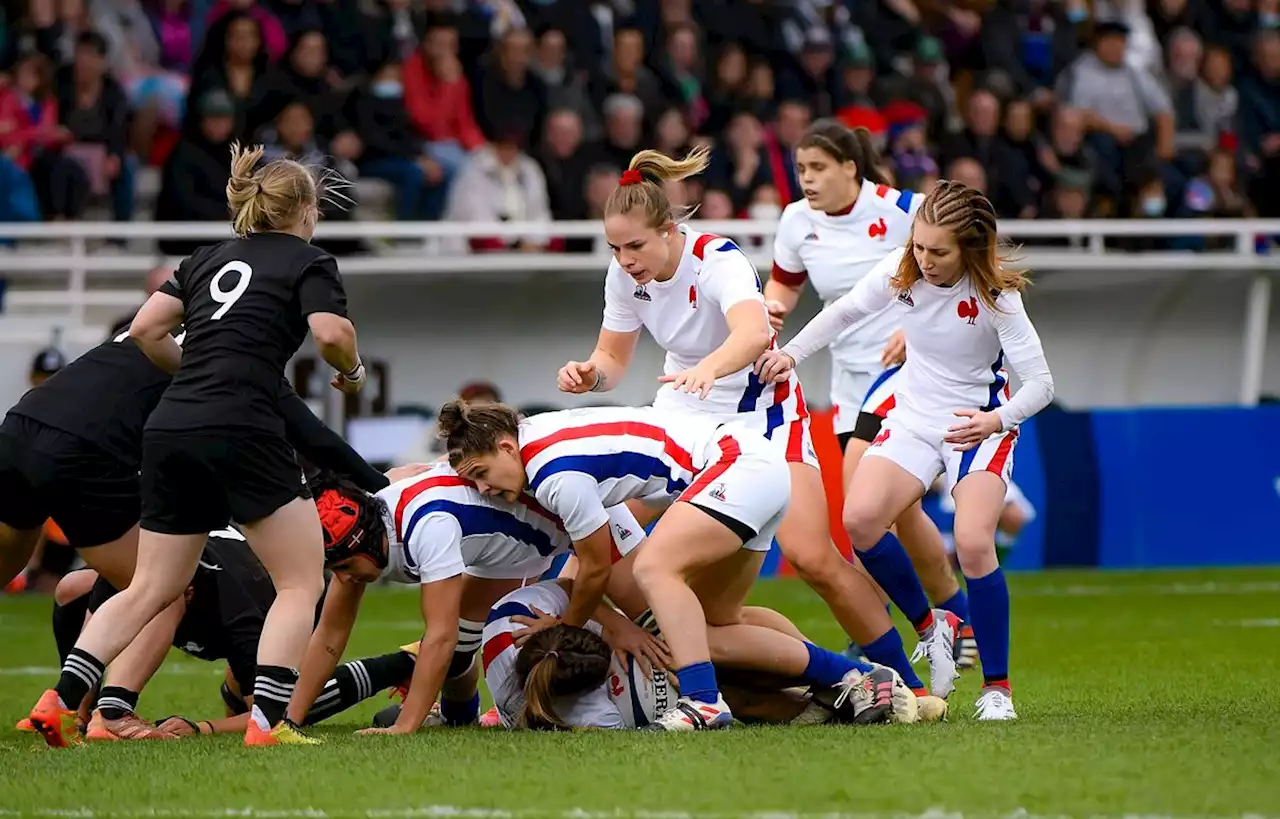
x=968 y=310
x=878 y=229
x=641 y=293
x=693 y=296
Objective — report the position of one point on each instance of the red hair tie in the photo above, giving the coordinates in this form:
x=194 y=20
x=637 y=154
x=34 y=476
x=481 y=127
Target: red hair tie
x=631 y=178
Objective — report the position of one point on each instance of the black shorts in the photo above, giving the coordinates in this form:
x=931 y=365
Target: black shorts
x=866 y=428
x=196 y=482
x=47 y=473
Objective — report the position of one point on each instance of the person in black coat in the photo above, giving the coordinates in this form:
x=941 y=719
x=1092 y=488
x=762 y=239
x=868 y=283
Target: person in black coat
x=194 y=180
x=391 y=151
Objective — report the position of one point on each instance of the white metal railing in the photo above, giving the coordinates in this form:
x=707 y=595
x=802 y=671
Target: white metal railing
x=443 y=253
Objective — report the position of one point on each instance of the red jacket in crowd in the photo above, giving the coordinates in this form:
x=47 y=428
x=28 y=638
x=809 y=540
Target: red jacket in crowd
x=439 y=111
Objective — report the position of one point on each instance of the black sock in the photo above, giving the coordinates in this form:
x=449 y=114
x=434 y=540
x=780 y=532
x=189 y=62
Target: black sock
x=115 y=702
x=68 y=622
x=359 y=680
x=80 y=672
x=272 y=689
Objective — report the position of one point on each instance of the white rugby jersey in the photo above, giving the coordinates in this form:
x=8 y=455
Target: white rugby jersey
x=836 y=251
x=956 y=347
x=581 y=461
x=686 y=316
x=438 y=524
x=628 y=699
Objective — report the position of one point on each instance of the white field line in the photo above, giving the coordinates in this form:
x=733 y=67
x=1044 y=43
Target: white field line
x=456 y=812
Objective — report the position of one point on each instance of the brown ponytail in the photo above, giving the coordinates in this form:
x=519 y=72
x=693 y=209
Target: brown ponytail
x=475 y=429
x=846 y=145
x=561 y=661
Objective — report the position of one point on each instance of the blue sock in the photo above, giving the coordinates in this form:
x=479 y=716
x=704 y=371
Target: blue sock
x=989 y=606
x=887 y=650
x=957 y=604
x=463 y=712
x=888 y=564
x=698 y=682
x=827 y=667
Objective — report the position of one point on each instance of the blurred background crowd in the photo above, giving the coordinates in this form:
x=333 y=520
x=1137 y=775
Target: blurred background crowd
x=531 y=108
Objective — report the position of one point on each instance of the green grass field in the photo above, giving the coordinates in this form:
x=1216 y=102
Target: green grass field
x=1139 y=694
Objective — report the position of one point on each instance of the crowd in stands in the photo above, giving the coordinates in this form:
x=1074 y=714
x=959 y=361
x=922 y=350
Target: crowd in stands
x=524 y=110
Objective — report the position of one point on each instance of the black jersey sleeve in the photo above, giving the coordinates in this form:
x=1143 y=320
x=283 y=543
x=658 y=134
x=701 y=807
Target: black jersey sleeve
x=322 y=446
x=169 y=288
x=320 y=288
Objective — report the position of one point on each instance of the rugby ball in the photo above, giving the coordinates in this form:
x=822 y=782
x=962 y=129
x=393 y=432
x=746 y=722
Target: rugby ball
x=639 y=697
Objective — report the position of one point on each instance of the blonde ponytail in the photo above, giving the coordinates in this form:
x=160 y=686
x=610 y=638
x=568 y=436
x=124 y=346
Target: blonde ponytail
x=642 y=186
x=276 y=197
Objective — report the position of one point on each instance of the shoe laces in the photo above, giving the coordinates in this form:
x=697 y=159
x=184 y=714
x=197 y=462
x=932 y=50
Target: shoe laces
x=852 y=686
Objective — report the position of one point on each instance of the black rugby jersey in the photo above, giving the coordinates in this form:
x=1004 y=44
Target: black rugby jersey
x=246 y=303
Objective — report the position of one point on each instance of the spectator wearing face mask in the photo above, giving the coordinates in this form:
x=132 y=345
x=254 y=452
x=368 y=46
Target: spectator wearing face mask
x=392 y=151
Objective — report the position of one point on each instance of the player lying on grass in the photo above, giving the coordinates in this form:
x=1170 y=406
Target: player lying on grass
x=464 y=551
x=544 y=674
x=223 y=611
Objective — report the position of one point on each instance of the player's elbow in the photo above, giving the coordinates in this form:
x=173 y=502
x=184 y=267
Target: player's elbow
x=332 y=331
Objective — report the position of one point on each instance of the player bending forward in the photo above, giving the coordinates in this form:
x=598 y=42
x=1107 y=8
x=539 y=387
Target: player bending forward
x=963 y=317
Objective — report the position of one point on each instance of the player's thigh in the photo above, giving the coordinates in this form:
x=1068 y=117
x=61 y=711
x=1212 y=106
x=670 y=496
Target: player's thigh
x=892 y=475
x=684 y=540
x=166 y=564
x=722 y=587
x=290 y=544
x=804 y=533
x=117 y=560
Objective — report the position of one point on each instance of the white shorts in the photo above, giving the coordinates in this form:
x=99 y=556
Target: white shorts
x=848 y=389
x=747 y=482
x=785 y=424
x=530 y=569
x=925 y=455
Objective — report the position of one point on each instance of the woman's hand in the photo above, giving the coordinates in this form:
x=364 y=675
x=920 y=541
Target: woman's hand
x=774 y=366
x=350 y=383
x=399 y=473
x=394 y=729
x=179 y=726
x=577 y=377
x=777 y=314
x=895 y=352
x=977 y=427
x=532 y=625
x=699 y=379
x=629 y=640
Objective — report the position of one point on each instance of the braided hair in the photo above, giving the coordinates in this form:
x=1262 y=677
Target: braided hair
x=561 y=661
x=972 y=221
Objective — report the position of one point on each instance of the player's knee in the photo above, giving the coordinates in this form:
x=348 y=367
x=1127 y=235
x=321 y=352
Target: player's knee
x=650 y=570
x=814 y=563
x=304 y=586
x=862 y=525
x=974 y=545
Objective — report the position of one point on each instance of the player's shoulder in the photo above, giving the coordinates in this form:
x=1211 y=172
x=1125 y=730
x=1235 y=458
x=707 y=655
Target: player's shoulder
x=898 y=205
x=796 y=217
x=712 y=248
